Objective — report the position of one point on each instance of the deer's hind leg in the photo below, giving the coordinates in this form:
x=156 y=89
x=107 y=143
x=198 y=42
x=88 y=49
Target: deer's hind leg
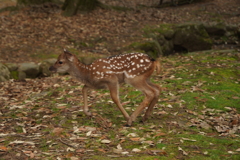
x=157 y=91
x=142 y=85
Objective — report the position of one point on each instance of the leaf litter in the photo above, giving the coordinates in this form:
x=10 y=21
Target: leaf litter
x=43 y=118
x=41 y=127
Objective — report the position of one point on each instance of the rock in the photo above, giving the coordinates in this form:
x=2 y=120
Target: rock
x=11 y=66
x=21 y=75
x=4 y=73
x=44 y=67
x=215 y=29
x=192 y=37
x=30 y=69
x=152 y=48
x=166 y=45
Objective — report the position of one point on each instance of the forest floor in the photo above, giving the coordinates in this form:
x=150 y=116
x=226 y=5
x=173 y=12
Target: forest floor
x=37 y=33
x=197 y=116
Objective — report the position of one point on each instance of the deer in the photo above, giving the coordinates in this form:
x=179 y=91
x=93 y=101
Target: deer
x=132 y=68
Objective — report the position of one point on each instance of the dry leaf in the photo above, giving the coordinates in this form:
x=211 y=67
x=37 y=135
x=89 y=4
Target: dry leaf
x=184 y=153
x=3 y=148
x=135 y=139
x=136 y=150
x=105 y=141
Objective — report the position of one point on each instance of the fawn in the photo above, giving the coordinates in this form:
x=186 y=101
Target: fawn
x=133 y=68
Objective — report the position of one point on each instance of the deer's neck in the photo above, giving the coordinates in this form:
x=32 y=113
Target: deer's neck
x=80 y=72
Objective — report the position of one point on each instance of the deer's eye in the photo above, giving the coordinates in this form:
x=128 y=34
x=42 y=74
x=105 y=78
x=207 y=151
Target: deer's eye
x=60 y=62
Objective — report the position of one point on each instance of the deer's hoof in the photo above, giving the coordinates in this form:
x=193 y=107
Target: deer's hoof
x=89 y=114
x=144 y=119
x=129 y=122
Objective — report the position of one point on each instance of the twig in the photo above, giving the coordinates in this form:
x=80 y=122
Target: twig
x=66 y=143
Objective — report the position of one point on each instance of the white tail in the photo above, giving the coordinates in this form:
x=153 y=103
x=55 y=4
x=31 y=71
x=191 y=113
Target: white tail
x=132 y=68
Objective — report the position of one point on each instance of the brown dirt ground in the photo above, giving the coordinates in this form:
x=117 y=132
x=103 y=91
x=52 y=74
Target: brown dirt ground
x=35 y=33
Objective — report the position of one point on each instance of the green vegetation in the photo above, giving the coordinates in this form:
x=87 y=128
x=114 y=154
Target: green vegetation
x=195 y=117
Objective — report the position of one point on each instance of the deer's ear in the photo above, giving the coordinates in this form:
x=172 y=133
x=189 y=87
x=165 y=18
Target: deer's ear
x=69 y=55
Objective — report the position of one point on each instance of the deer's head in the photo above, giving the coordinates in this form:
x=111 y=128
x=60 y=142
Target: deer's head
x=63 y=62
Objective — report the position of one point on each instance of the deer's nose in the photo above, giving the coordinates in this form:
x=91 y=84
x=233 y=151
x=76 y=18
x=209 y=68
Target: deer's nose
x=53 y=69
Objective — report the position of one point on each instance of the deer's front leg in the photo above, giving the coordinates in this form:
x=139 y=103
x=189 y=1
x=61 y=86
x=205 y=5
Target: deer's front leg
x=85 y=108
x=114 y=87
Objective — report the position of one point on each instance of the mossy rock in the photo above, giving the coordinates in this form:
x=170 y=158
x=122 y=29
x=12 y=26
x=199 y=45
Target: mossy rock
x=30 y=69
x=4 y=73
x=152 y=48
x=166 y=45
x=11 y=66
x=216 y=30
x=192 y=37
x=14 y=75
x=44 y=66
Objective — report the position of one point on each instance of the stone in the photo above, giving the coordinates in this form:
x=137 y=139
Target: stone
x=4 y=73
x=21 y=75
x=166 y=45
x=44 y=67
x=11 y=66
x=192 y=37
x=214 y=29
x=31 y=69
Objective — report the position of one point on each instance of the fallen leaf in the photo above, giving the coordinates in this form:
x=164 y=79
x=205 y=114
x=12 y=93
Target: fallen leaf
x=3 y=148
x=160 y=134
x=205 y=153
x=105 y=141
x=205 y=125
x=132 y=135
x=119 y=146
x=184 y=153
x=91 y=128
x=186 y=139
x=148 y=142
x=136 y=150
x=57 y=131
x=88 y=133
x=135 y=139
x=124 y=153
x=101 y=150
x=118 y=151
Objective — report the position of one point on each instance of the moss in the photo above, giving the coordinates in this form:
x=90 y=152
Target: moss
x=160 y=29
x=152 y=48
x=14 y=74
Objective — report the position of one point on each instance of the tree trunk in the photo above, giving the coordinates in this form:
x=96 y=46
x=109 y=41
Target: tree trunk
x=71 y=7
